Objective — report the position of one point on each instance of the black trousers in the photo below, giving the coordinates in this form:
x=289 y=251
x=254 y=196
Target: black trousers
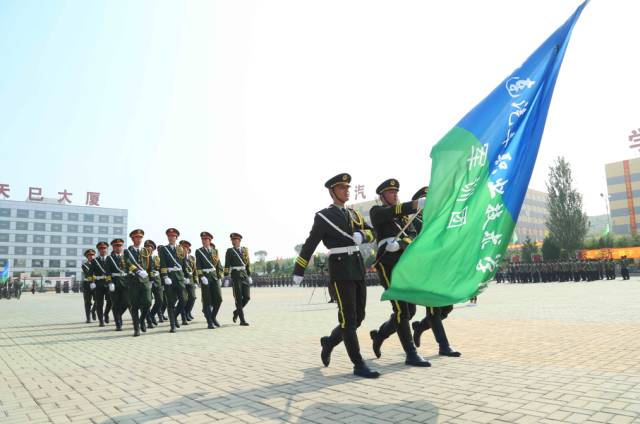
x=87 y=295
x=159 y=302
x=352 y=299
x=433 y=320
x=103 y=301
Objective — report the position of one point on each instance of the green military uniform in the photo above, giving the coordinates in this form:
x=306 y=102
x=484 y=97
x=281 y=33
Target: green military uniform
x=172 y=264
x=153 y=269
x=335 y=227
x=117 y=281
x=190 y=281
x=102 y=293
x=209 y=271
x=138 y=284
x=238 y=267
x=88 y=285
x=624 y=268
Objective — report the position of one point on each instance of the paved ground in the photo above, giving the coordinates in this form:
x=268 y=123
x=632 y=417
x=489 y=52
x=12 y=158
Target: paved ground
x=531 y=353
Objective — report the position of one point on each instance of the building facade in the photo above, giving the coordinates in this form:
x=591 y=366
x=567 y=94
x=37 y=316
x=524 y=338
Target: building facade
x=623 y=186
x=48 y=238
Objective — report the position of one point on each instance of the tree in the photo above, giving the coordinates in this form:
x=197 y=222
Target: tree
x=528 y=248
x=567 y=222
x=261 y=255
x=550 y=250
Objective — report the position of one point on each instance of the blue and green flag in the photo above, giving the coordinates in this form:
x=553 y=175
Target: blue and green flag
x=479 y=178
x=5 y=273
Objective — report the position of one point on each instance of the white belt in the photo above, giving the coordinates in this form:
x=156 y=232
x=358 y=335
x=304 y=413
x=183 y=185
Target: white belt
x=387 y=240
x=100 y=277
x=208 y=270
x=118 y=274
x=175 y=268
x=347 y=249
x=237 y=268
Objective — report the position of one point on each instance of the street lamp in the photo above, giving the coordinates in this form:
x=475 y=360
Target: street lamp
x=606 y=204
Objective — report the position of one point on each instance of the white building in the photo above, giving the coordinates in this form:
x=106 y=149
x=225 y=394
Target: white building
x=48 y=238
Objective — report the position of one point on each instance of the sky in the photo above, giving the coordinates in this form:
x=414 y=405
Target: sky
x=229 y=116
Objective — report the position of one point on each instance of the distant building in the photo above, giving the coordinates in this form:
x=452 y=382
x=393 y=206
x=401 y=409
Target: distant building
x=363 y=208
x=48 y=238
x=623 y=186
x=533 y=217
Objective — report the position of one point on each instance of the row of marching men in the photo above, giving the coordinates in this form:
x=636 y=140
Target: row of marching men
x=170 y=274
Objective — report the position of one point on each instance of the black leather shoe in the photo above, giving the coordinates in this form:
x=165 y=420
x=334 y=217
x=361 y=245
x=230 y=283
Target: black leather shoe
x=417 y=332
x=449 y=351
x=185 y=322
x=173 y=330
x=210 y=325
x=377 y=343
x=177 y=324
x=164 y=317
x=244 y=324
x=93 y=315
x=325 y=354
x=143 y=327
x=101 y=324
x=216 y=323
x=136 y=333
x=154 y=322
x=106 y=319
x=415 y=360
x=235 y=316
x=364 y=371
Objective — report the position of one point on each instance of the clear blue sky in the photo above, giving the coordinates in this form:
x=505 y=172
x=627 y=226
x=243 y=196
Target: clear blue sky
x=229 y=116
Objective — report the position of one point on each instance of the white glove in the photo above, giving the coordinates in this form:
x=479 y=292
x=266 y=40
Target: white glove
x=92 y=286
x=112 y=287
x=142 y=273
x=250 y=281
x=358 y=237
x=421 y=202
x=226 y=282
x=204 y=280
x=297 y=279
x=167 y=281
x=392 y=246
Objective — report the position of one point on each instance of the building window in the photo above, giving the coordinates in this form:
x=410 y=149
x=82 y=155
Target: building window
x=70 y=264
x=19 y=263
x=72 y=251
x=22 y=213
x=19 y=250
x=54 y=263
x=103 y=218
x=5 y=212
x=118 y=219
x=72 y=228
x=40 y=215
x=3 y=262
x=103 y=230
x=88 y=217
x=37 y=263
x=4 y=225
x=56 y=228
x=56 y=239
x=55 y=251
x=4 y=250
x=56 y=215
x=4 y=237
x=39 y=226
x=38 y=238
x=87 y=240
x=37 y=251
x=23 y=226
x=118 y=230
x=21 y=238
x=87 y=229
x=72 y=217
x=72 y=240
x=53 y=273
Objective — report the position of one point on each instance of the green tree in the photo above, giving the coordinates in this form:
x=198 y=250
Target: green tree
x=528 y=248
x=567 y=222
x=550 y=250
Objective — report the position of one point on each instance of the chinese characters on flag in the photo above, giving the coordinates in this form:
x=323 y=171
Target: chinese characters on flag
x=35 y=195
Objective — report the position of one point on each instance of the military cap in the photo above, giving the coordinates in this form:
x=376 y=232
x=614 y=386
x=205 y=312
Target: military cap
x=150 y=243
x=390 y=184
x=343 y=178
x=117 y=241
x=206 y=234
x=420 y=193
x=137 y=232
x=89 y=252
x=172 y=230
x=102 y=243
x=185 y=243
x=235 y=235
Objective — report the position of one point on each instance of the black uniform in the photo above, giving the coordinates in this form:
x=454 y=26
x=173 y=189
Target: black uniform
x=172 y=266
x=102 y=294
x=87 y=291
x=238 y=267
x=209 y=267
x=116 y=268
x=138 y=286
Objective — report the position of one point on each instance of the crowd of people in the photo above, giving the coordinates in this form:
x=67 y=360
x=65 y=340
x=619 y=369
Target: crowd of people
x=11 y=288
x=563 y=271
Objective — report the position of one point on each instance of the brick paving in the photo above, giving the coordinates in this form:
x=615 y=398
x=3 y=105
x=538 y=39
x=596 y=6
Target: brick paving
x=548 y=353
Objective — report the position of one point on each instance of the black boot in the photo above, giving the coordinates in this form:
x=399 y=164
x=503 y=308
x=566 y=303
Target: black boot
x=449 y=351
x=235 y=315
x=381 y=334
x=241 y=316
x=362 y=370
x=88 y=321
x=350 y=339
x=214 y=315
x=325 y=353
x=143 y=326
x=172 y=321
x=136 y=325
x=413 y=358
x=377 y=343
x=93 y=314
x=417 y=332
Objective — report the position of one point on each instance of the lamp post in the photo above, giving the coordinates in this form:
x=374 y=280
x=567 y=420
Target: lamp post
x=606 y=205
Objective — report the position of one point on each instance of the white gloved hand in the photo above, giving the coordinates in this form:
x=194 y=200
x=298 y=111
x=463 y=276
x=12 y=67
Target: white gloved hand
x=142 y=273
x=112 y=287
x=250 y=281
x=358 y=237
x=297 y=279
x=204 y=280
x=167 y=281
x=392 y=246
x=421 y=202
x=92 y=286
x=226 y=282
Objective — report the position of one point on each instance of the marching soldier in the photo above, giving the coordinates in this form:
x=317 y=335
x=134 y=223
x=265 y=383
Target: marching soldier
x=116 y=279
x=189 y=281
x=341 y=230
x=139 y=286
x=624 y=268
x=388 y=220
x=102 y=293
x=88 y=284
x=153 y=269
x=238 y=267
x=209 y=272
x=172 y=264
